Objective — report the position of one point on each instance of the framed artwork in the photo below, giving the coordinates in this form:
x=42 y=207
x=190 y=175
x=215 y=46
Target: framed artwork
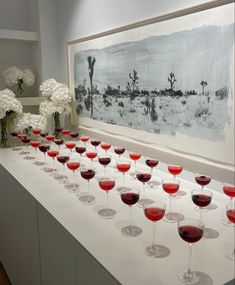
x=167 y=82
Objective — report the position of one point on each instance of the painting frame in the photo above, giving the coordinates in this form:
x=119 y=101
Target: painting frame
x=218 y=170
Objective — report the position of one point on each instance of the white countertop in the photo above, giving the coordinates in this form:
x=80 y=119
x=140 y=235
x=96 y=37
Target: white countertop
x=124 y=257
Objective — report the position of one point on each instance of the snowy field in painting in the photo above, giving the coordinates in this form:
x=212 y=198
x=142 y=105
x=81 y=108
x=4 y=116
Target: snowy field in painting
x=165 y=84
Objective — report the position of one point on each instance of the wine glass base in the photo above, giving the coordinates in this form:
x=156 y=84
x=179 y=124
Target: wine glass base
x=24 y=152
x=107 y=213
x=131 y=231
x=87 y=199
x=178 y=194
x=229 y=253
x=123 y=189
x=173 y=217
x=227 y=223
x=188 y=278
x=16 y=148
x=153 y=184
x=28 y=157
x=157 y=251
x=48 y=169
x=144 y=201
x=72 y=186
x=39 y=163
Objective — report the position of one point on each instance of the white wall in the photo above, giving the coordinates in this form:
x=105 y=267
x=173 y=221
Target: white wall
x=80 y=18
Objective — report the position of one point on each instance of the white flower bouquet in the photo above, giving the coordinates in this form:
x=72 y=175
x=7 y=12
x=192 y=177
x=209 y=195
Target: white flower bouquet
x=25 y=121
x=13 y=76
x=8 y=105
x=57 y=100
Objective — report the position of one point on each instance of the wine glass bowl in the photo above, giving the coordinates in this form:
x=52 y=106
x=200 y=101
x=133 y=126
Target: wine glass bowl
x=175 y=169
x=95 y=143
x=105 y=160
x=107 y=183
x=191 y=231
x=202 y=179
x=119 y=151
x=87 y=198
x=229 y=190
x=105 y=146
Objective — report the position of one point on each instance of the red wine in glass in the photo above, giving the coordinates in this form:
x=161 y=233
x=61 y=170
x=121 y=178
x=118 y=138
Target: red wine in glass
x=134 y=156
x=107 y=184
x=175 y=169
x=91 y=155
x=155 y=212
x=119 y=151
x=35 y=144
x=84 y=139
x=73 y=165
x=80 y=150
x=191 y=231
x=59 y=130
x=95 y=143
x=105 y=147
x=50 y=138
x=44 y=134
x=65 y=132
x=14 y=135
x=70 y=145
x=143 y=177
x=36 y=132
x=170 y=187
x=202 y=180
x=59 y=142
x=229 y=190
x=231 y=215
x=74 y=135
x=63 y=159
x=104 y=161
x=44 y=148
x=130 y=198
x=87 y=198
x=201 y=200
x=151 y=163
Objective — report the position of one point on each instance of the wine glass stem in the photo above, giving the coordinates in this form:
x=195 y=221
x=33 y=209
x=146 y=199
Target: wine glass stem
x=154 y=233
x=189 y=272
x=74 y=181
x=174 y=177
x=105 y=170
x=88 y=186
x=202 y=187
x=64 y=173
x=107 y=201
x=123 y=179
x=54 y=165
x=170 y=202
x=200 y=212
x=130 y=216
x=135 y=166
x=144 y=190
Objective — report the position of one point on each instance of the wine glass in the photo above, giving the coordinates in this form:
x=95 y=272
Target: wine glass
x=171 y=186
x=230 y=212
x=35 y=145
x=80 y=150
x=130 y=198
x=175 y=169
x=73 y=165
x=43 y=135
x=53 y=154
x=151 y=163
x=20 y=136
x=70 y=146
x=44 y=149
x=58 y=132
x=105 y=147
x=155 y=212
x=191 y=231
x=91 y=155
x=65 y=133
x=134 y=156
x=14 y=136
x=86 y=197
x=84 y=139
x=74 y=135
x=202 y=180
x=26 y=141
x=229 y=190
x=106 y=183
x=123 y=166
x=36 y=132
x=201 y=198
x=119 y=151
x=104 y=161
x=144 y=176
x=59 y=142
x=63 y=159
x=50 y=138
x=95 y=143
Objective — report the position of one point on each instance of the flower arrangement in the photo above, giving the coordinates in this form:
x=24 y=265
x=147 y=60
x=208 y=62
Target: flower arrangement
x=13 y=76
x=8 y=105
x=57 y=100
x=23 y=122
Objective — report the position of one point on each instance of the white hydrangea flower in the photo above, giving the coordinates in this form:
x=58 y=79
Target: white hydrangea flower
x=61 y=94
x=67 y=109
x=48 y=108
x=28 y=77
x=27 y=120
x=12 y=75
x=47 y=87
x=8 y=103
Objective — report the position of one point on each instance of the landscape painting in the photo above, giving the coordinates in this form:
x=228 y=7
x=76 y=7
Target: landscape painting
x=170 y=78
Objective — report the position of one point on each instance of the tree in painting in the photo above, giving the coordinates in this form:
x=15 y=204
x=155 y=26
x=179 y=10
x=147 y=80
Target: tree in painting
x=203 y=84
x=91 y=63
x=172 y=80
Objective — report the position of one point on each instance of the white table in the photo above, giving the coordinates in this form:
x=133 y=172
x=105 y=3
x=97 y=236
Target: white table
x=49 y=237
